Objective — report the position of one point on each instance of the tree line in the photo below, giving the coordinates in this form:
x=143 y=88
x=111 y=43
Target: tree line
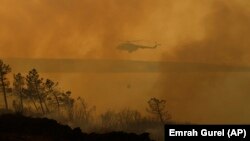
x=35 y=89
x=46 y=98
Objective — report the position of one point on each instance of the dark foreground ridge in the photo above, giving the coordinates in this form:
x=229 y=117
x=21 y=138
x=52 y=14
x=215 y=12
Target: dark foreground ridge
x=20 y=128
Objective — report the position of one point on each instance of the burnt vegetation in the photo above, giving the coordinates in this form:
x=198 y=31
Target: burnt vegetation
x=35 y=100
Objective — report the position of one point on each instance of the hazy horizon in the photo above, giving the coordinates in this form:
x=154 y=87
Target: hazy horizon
x=201 y=67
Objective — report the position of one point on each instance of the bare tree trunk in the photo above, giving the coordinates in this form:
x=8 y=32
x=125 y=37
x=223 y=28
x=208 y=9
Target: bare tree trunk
x=41 y=104
x=47 y=109
x=84 y=109
x=40 y=99
x=34 y=103
x=160 y=114
x=21 y=100
x=4 y=93
x=57 y=101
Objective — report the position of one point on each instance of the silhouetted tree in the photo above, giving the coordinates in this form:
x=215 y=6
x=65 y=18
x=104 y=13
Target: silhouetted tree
x=18 y=89
x=31 y=97
x=34 y=86
x=85 y=111
x=109 y=120
x=68 y=102
x=128 y=118
x=51 y=93
x=157 y=107
x=4 y=83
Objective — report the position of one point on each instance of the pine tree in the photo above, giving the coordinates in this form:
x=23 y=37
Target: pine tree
x=157 y=107
x=4 y=83
x=18 y=84
x=34 y=86
x=51 y=92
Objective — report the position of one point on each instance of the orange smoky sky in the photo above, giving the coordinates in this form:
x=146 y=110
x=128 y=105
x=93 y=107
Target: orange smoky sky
x=195 y=31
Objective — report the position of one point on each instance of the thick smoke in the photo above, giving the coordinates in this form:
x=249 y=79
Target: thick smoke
x=78 y=29
x=212 y=97
x=196 y=31
x=68 y=29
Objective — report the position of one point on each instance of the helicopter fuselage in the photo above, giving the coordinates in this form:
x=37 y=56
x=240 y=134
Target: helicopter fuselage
x=130 y=47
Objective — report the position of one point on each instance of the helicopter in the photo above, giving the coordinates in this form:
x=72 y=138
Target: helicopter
x=131 y=47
